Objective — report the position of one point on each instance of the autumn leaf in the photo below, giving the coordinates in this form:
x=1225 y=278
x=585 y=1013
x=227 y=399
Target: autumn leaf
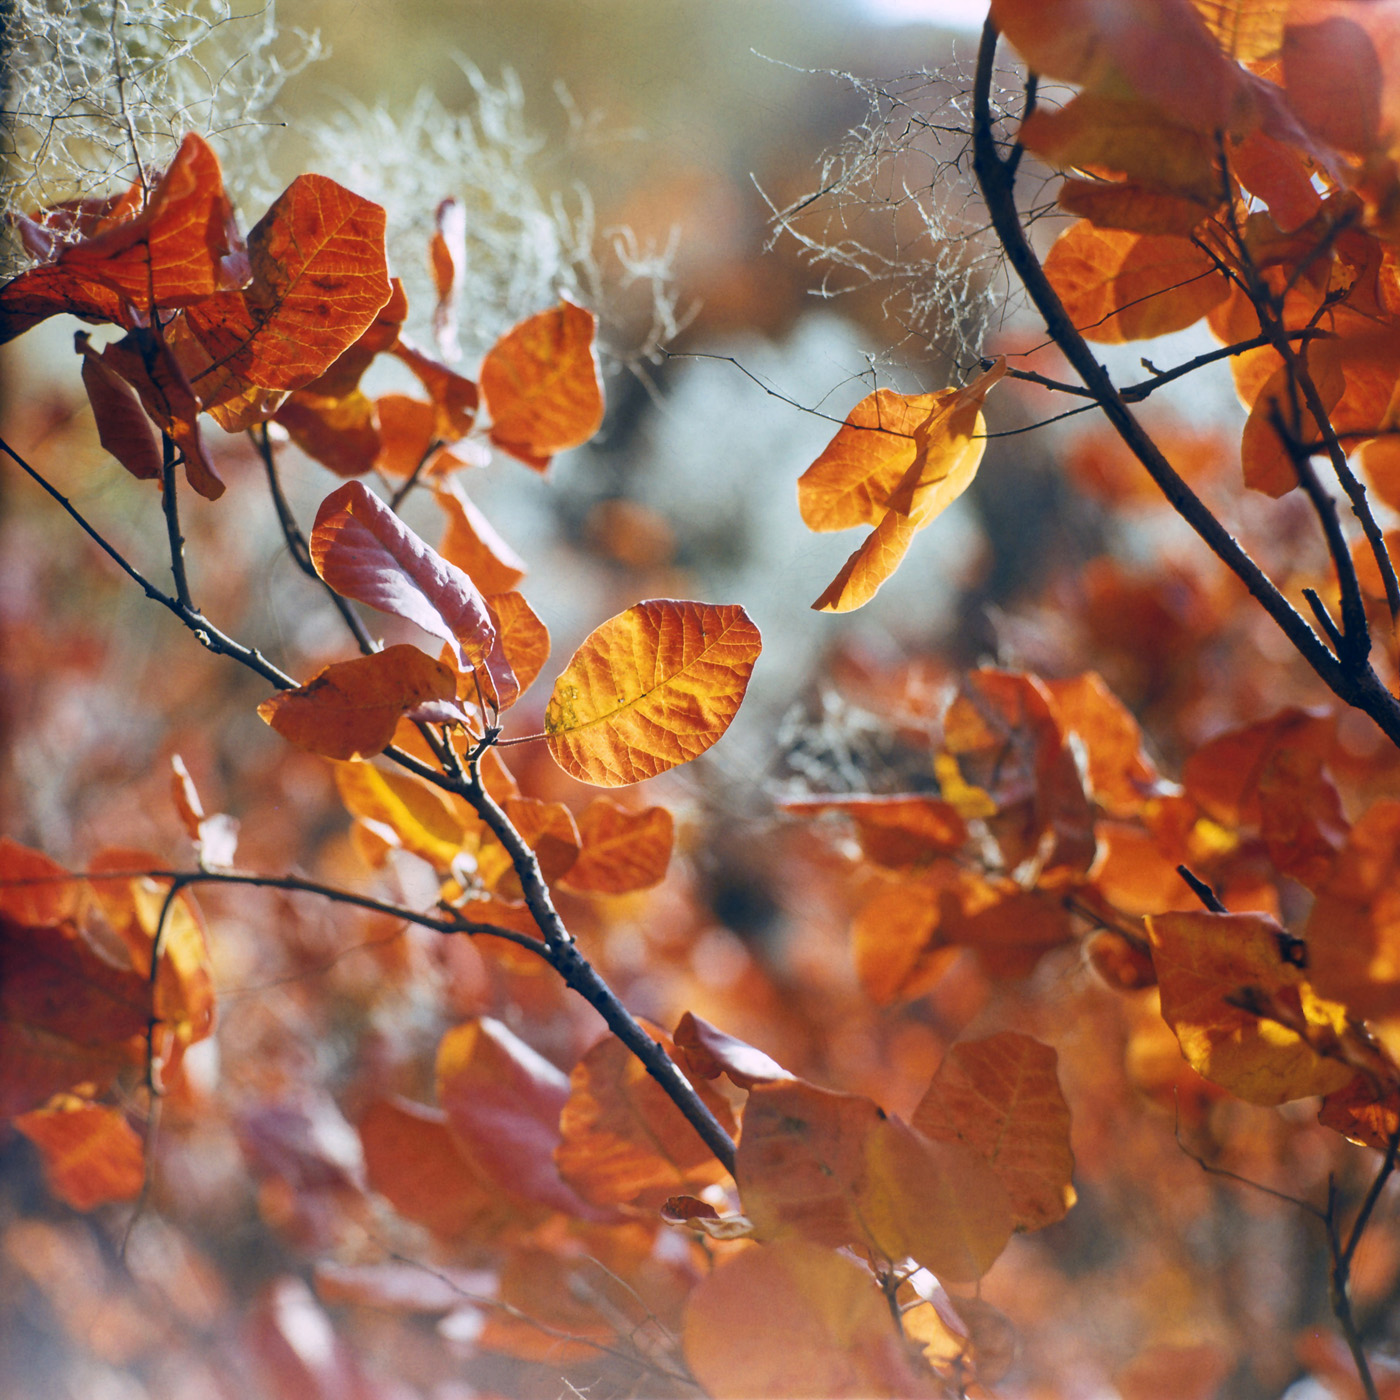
x=412 y=1161
x=835 y=1170
x=523 y=640
x=653 y=687
x=709 y=1052
x=447 y=256
x=340 y=433
x=1001 y=1097
x=350 y=709
x=67 y=1015
x=895 y=943
x=123 y=426
x=472 y=544
x=1210 y=967
x=541 y=385
x=897 y=830
x=34 y=889
x=623 y=849
x=503 y=1100
x=90 y=1154
x=837 y=1336
x=365 y=552
x=319 y=279
x=622 y=1139
x=403 y=810
x=936 y=458
x=1118 y=286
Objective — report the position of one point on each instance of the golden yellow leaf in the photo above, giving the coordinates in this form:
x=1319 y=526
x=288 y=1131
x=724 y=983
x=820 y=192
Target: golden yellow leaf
x=653 y=687
x=403 y=810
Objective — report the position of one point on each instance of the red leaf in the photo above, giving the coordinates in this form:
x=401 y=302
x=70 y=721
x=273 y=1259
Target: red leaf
x=364 y=551
x=89 y=1153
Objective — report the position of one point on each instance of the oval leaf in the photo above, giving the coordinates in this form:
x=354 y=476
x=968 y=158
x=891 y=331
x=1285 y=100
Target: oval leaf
x=365 y=552
x=651 y=688
x=622 y=850
x=351 y=708
x=90 y=1154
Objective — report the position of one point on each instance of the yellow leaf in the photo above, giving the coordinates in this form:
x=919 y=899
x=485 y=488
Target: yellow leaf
x=404 y=809
x=651 y=688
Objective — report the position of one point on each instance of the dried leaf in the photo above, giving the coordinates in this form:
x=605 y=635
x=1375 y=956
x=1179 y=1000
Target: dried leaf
x=365 y=552
x=350 y=709
x=653 y=687
x=709 y=1052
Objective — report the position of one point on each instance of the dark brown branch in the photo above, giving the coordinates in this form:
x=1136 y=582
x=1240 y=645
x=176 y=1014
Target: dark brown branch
x=170 y=507
x=1358 y=686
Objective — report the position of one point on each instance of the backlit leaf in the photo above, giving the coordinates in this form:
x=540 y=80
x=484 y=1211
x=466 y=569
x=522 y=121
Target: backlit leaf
x=623 y=849
x=793 y=1319
x=471 y=543
x=342 y=434
x=541 y=385
x=1001 y=1096
x=319 y=281
x=1207 y=966
x=365 y=552
x=623 y=1140
x=35 y=889
x=403 y=810
x=350 y=709
x=653 y=687
x=522 y=638
x=90 y=1154
x=503 y=1102
x=894 y=941
x=1118 y=286
x=709 y=1052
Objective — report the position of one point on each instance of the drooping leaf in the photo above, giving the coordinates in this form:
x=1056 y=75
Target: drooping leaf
x=343 y=376
x=503 y=1102
x=402 y=810
x=1001 y=1096
x=542 y=387
x=90 y=1154
x=319 y=281
x=340 y=433
x=472 y=544
x=454 y=397
x=837 y=1336
x=350 y=709
x=1118 y=286
x=623 y=1141
x=215 y=838
x=653 y=687
x=522 y=639
x=1121 y=777
x=365 y=552
x=1132 y=206
x=123 y=426
x=1210 y=968
x=709 y=1052
x=623 y=849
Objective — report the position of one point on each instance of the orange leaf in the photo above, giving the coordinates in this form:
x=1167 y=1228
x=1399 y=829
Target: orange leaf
x=350 y=709
x=123 y=426
x=1130 y=205
x=447 y=254
x=623 y=850
x=454 y=397
x=343 y=376
x=67 y=1016
x=709 y=1052
x=503 y=1102
x=1122 y=779
x=407 y=433
x=1001 y=1097
x=1118 y=286
x=342 y=434
x=402 y=810
x=653 y=687
x=522 y=638
x=541 y=384
x=411 y=1159
x=622 y=1140
x=90 y=1154
x=895 y=944
x=472 y=544
x=898 y=830
x=1363 y=1112
x=1207 y=964
x=34 y=889
x=319 y=281
x=837 y=1336
x=549 y=831
x=1268 y=464
x=834 y=1169
x=365 y=552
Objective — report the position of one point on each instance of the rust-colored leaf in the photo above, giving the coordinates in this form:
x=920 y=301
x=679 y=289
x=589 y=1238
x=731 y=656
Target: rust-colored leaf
x=522 y=639
x=894 y=940
x=90 y=1154
x=1119 y=286
x=542 y=387
x=1132 y=206
x=1363 y=1111
x=471 y=543
x=1001 y=1096
x=837 y=1336
x=411 y=1159
x=123 y=426
x=319 y=281
x=342 y=434
x=709 y=1052
x=365 y=552
x=834 y=1169
x=34 y=889
x=343 y=376
x=897 y=830
x=622 y=1140
x=548 y=829
x=67 y=1015
x=623 y=849
x=1122 y=779
x=503 y=1102
x=653 y=687
x=1210 y=968
x=350 y=709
